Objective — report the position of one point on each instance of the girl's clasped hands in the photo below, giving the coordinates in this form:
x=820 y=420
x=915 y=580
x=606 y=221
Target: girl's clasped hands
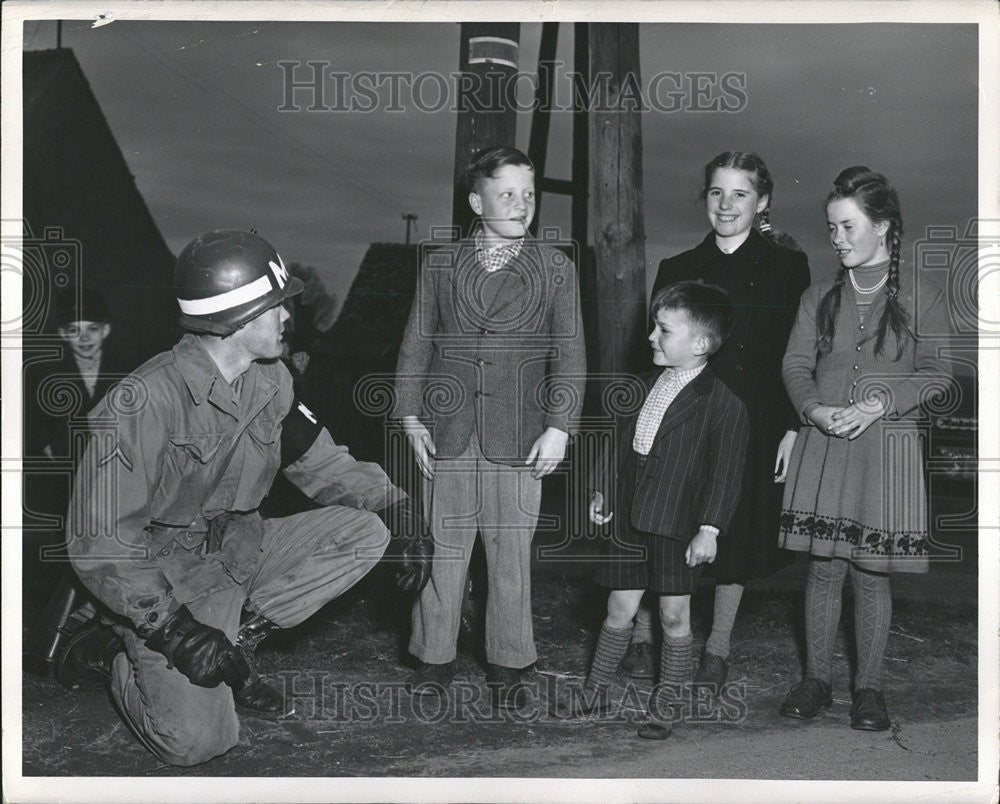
x=847 y=422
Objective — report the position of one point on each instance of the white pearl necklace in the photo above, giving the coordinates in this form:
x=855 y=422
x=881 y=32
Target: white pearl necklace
x=860 y=289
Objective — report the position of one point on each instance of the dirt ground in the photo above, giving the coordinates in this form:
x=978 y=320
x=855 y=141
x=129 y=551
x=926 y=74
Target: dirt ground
x=346 y=666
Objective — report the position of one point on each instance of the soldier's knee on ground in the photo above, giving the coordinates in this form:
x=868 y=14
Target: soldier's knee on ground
x=185 y=746
x=179 y=723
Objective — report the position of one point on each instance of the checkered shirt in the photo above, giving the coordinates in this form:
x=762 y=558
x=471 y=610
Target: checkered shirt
x=495 y=258
x=663 y=392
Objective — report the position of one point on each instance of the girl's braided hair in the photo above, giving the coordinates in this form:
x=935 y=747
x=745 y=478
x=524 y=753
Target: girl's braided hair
x=878 y=200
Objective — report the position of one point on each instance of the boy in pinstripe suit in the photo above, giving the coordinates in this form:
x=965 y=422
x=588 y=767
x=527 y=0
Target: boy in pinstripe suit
x=676 y=473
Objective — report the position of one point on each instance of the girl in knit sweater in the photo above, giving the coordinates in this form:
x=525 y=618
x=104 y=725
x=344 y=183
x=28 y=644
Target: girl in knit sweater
x=864 y=353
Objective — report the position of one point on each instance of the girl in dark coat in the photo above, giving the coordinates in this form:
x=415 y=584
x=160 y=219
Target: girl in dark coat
x=864 y=353
x=765 y=274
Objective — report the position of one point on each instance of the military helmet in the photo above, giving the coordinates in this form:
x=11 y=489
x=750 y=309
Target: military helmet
x=227 y=277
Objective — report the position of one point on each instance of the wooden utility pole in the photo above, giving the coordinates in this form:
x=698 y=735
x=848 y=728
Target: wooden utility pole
x=488 y=58
x=411 y=220
x=619 y=233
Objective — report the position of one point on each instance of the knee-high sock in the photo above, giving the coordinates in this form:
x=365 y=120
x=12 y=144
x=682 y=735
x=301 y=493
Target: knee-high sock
x=824 y=589
x=727 y=603
x=675 y=670
x=642 y=631
x=611 y=646
x=872 y=618
x=675 y=659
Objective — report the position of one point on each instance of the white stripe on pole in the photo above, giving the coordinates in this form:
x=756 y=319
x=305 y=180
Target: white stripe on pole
x=225 y=301
x=502 y=40
x=493 y=50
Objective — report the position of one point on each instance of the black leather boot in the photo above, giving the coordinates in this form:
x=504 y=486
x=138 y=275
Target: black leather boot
x=66 y=613
x=87 y=656
x=256 y=697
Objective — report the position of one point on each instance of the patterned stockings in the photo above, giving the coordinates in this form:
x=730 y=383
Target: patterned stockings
x=872 y=617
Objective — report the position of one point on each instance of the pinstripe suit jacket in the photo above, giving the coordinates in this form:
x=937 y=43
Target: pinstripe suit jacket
x=694 y=469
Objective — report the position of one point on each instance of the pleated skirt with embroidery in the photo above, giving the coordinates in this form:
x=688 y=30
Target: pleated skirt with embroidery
x=862 y=500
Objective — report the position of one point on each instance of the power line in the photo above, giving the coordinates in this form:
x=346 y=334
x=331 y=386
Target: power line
x=254 y=117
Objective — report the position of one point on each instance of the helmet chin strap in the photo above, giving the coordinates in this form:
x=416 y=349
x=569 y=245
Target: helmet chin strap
x=230 y=355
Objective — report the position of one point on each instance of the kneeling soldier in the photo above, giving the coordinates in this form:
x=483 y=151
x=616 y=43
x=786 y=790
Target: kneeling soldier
x=164 y=527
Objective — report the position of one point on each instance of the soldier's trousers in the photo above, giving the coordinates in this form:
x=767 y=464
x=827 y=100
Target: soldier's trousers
x=308 y=559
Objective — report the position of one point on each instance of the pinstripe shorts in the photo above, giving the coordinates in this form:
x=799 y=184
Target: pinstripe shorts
x=635 y=559
x=638 y=560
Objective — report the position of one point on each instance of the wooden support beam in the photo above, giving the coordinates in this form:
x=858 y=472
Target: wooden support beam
x=619 y=232
x=562 y=186
x=538 y=140
x=581 y=139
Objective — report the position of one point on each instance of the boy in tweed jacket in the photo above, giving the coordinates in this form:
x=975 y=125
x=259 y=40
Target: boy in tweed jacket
x=489 y=384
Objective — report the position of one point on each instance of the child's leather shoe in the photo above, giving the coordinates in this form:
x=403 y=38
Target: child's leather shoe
x=430 y=679
x=868 y=711
x=806 y=698
x=638 y=661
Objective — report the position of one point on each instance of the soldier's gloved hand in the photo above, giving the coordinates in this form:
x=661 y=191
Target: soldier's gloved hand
x=199 y=651
x=410 y=543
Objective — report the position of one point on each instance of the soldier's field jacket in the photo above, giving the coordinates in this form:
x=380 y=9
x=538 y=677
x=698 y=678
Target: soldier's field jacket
x=175 y=449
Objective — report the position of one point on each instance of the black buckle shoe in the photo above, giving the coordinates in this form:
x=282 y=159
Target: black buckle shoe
x=431 y=679
x=257 y=698
x=712 y=673
x=638 y=661
x=806 y=698
x=868 y=711
x=87 y=656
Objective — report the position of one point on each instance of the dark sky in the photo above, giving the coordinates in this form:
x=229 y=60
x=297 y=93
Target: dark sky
x=195 y=109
